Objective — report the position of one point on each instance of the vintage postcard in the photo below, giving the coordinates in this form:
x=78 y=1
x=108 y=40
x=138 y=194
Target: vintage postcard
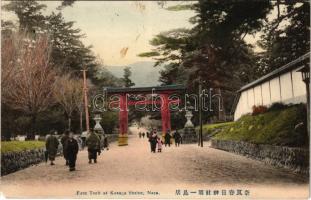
x=203 y=99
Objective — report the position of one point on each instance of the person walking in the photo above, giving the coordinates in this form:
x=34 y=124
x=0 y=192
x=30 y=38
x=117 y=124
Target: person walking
x=143 y=134
x=93 y=144
x=153 y=142
x=167 y=138
x=160 y=143
x=63 y=141
x=177 y=138
x=51 y=146
x=101 y=141
x=71 y=149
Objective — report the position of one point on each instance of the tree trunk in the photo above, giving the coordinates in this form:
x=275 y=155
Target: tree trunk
x=69 y=123
x=31 y=134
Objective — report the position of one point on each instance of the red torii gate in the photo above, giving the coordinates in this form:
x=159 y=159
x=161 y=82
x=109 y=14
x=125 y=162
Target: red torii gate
x=163 y=91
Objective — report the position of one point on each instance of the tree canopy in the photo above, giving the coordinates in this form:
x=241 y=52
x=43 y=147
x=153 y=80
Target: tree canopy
x=42 y=62
x=215 y=49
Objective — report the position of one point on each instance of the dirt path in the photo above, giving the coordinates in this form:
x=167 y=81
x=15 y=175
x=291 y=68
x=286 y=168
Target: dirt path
x=134 y=168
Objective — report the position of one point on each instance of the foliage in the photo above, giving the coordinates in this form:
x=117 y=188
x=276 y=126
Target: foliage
x=29 y=14
x=68 y=53
x=285 y=37
x=64 y=53
x=277 y=106
x=259 y=109
x=15 y=146
x=126 y=77
x=214 y=50
x=29 y=88
x=109 y=121
x=279 y=127
x=66 y=3
x=149 y=54
x=180 y=7
x=68 y=93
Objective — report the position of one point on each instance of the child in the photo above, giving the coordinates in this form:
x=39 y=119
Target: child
x=159 y=141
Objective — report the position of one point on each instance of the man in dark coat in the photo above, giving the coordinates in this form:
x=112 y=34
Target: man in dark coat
x=167 y=138
x=71 y=149
x=93 y=144
x=51 y=146
x=101 y=141
x=177 y=138
x=63 y=140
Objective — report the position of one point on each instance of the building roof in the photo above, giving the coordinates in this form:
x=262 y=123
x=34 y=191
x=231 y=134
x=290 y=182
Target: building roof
x=165 y=88
x=285 y=68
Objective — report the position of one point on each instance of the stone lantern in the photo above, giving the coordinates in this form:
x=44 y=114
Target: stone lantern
x=188 y=116
x=189 y=134
x=97 y=118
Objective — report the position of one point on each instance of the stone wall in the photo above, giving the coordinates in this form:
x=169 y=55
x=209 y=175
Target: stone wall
x=14 y=161
x=295 y=159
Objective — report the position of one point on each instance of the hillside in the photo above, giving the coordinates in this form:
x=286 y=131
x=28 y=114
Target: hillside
x=143 y=73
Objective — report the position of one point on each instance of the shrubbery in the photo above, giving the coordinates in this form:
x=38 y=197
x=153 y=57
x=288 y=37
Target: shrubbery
x=259 y=110
x=277 y=106
x=274 y=107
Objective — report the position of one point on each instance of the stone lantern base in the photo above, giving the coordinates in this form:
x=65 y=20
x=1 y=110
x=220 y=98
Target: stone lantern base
x=189 y=136
x=122 y=140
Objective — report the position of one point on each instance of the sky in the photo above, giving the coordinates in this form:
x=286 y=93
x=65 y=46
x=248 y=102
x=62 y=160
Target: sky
x=116 y=27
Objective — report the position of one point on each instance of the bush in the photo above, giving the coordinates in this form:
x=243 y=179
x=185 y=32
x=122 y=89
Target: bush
x=259 y=110
x=277 y=106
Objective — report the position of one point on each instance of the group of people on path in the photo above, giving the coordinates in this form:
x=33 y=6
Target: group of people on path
x=177 y=138
x=155 y=140
x=71 y=147
x=141 y=134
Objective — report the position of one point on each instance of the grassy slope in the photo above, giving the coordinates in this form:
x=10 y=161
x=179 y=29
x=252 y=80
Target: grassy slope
x=8 y=146
x=274 y=127
x=210 y=128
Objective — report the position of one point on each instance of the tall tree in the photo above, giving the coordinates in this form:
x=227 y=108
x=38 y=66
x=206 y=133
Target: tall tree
x=214 y=50
x=126 y=77
x=68 y=52
x=69 y=94
x=67 y=55
x=29 y=13
x=30 y=88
